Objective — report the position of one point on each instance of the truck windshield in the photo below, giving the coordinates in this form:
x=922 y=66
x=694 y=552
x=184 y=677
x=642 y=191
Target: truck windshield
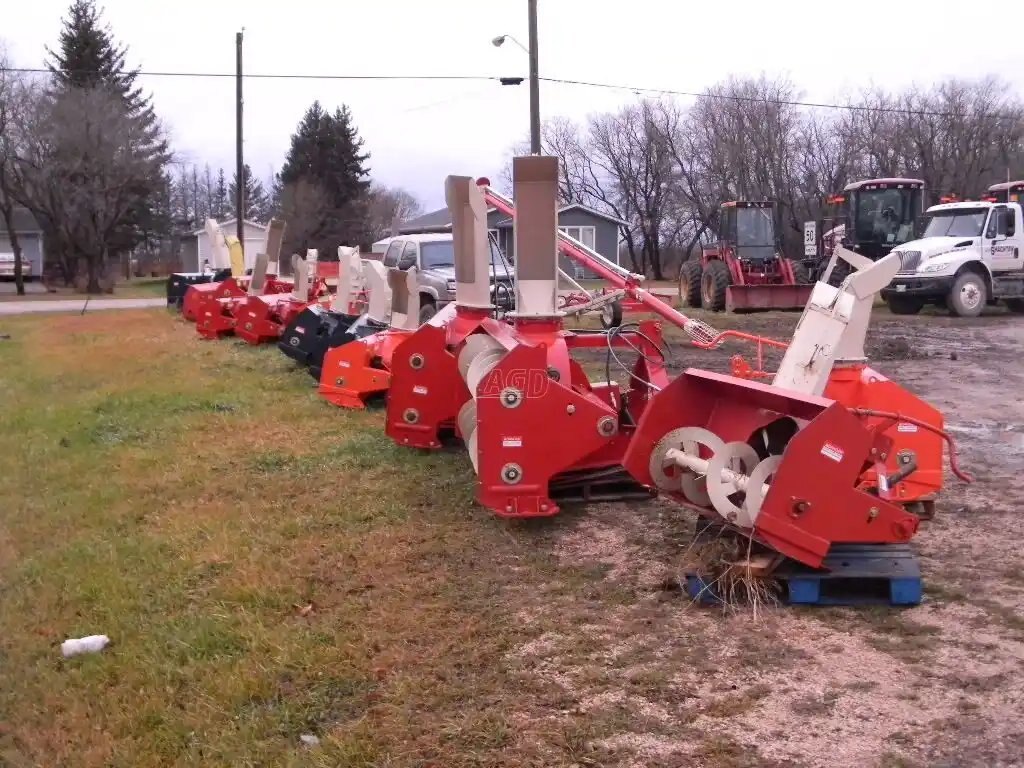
x=884 y=215
x=959 y=222
x=441 y=253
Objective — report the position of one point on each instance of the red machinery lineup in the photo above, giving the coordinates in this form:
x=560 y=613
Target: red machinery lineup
x=821 y=453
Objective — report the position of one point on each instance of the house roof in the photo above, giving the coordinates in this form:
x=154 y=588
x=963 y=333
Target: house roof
x=24 y=221
x=435 y=221
x=507 y=222
x=226 y=222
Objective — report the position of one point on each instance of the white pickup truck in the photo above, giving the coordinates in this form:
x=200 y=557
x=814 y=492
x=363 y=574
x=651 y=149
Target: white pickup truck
x=970 y=254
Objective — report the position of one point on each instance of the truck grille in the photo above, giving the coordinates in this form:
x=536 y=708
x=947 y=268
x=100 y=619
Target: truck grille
x=909 y=260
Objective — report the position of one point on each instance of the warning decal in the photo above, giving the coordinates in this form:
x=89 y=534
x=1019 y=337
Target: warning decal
x=831 y=451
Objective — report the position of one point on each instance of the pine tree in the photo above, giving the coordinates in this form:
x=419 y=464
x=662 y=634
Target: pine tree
x=221 y=208
x=255 y=199
x=326 y=154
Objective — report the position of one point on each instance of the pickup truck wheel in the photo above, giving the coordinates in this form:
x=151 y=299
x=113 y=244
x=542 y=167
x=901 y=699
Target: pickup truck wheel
x=968 y=295
x=1015 y=305
x=427 y=311
x=904 y=305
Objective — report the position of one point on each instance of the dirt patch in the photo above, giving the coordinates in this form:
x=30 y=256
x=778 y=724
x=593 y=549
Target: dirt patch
x=659 y=681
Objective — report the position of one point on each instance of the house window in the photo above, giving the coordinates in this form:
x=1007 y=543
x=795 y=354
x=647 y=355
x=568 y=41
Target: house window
x=585 y=235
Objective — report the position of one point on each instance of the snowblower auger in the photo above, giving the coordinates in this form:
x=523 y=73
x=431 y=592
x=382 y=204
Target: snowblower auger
x=317 y=328
x=261 y=318
x=360 y=370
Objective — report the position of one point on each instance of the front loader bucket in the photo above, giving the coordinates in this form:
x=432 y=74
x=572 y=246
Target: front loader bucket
x=759 y=298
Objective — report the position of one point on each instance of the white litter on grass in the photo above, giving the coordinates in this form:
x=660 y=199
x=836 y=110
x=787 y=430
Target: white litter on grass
x=78 y=645
x=310 y=740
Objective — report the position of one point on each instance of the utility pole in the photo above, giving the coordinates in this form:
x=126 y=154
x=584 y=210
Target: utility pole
x=531 y=6
x=239 y=158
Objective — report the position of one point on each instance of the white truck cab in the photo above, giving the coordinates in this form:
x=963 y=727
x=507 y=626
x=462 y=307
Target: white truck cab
x=970 y=254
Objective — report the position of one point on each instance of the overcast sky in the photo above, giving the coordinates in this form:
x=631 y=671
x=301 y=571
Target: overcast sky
x=418 y=132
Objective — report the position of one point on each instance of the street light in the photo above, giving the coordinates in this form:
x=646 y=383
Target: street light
x=497 y=42
x=500 y=41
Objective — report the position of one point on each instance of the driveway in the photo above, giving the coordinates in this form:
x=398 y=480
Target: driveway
x=76 y=305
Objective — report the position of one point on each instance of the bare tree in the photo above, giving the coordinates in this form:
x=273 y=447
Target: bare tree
x=16 y=93
x=387 y=208
x=84 y=170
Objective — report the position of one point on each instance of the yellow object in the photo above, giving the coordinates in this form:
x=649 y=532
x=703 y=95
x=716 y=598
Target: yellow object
x=237 y=256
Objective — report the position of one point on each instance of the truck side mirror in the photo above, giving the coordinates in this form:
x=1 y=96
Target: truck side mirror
x=1008 y=223
x=406 y=261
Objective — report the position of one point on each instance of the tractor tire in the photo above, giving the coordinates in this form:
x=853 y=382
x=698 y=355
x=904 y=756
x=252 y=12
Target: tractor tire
x=713 y=285
x=904 y=305
x=802 y=273
x=968 y=296
x=689 y=283
x=1015 y=305
x=611 y=315
x=427 y=311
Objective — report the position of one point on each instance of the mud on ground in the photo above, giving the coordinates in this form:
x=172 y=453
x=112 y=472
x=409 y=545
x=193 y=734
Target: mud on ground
x=941 y=684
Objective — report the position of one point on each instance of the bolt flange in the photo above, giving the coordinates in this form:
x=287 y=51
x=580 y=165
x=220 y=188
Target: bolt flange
x=511 y=473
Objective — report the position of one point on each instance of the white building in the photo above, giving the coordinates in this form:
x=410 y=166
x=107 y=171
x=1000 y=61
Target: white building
x=195 y=249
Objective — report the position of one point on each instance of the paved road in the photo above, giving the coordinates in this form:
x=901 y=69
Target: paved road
x=75 y=305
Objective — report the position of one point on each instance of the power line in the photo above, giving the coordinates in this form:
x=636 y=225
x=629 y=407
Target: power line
x=263 y=75
x=554 y=80
x=761 y=100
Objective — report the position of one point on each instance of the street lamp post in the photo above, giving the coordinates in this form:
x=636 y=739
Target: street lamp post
x=531 y=7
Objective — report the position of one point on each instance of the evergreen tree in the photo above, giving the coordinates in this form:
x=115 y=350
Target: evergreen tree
x=221 y=207
x=326 y=154
x=255 y=199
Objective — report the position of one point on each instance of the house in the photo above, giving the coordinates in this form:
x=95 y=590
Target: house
x=195 y=248
x=593 y=228
x=30 y=238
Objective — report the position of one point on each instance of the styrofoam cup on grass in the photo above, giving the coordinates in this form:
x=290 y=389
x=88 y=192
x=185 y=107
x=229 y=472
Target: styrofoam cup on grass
x=78 y=645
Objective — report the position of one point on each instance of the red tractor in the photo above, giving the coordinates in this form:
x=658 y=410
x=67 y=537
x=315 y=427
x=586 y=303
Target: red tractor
x=745 y=270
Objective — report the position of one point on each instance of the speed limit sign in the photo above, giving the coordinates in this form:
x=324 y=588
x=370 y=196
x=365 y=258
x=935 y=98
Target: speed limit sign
x=810 y=238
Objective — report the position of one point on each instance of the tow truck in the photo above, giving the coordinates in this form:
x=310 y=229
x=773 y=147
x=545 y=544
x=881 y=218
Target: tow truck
x=970 y=255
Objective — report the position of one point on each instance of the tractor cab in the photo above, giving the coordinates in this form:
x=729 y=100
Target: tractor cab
x=744 y=270
x=748 y=228
x=1007 y=192
x=880 y=214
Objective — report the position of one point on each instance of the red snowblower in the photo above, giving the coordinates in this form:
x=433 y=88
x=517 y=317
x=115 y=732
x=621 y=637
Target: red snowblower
x=360 y=370
x=825 y=455
x=262 y=318
x=201 y=298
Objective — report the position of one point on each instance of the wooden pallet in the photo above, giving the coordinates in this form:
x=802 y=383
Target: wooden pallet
x=853 y=574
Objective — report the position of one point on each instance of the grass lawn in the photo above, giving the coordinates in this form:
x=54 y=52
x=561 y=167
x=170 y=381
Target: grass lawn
x=268 y=567
x=265 y=565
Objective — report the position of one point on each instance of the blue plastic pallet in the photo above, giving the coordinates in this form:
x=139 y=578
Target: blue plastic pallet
x=853 y=574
